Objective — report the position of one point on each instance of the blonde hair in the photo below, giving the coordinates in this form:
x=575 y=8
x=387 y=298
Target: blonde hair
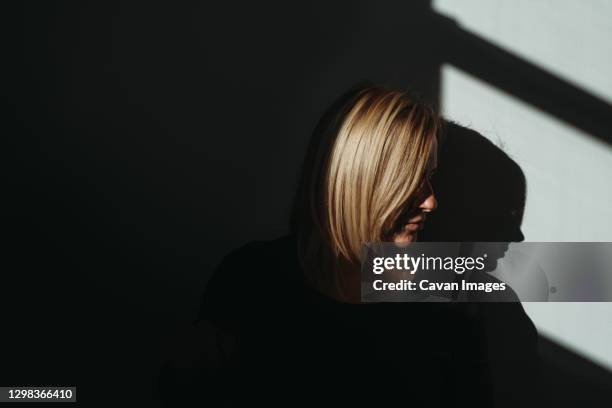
x=367 y=160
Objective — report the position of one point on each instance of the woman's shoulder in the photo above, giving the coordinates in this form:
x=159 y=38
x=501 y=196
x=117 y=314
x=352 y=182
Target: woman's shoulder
x=256 y=260
x=282 y=247
x=246 y=275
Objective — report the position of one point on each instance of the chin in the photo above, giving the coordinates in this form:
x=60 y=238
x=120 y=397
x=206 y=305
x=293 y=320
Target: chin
x=405 y=239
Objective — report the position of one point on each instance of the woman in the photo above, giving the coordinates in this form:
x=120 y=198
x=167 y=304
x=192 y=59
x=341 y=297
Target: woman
x=281 y=322
x=366 y=178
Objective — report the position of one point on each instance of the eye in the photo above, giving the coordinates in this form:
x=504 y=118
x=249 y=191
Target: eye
x=431 y=174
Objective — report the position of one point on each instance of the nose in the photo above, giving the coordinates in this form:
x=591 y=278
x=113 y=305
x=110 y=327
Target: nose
x=428 y=201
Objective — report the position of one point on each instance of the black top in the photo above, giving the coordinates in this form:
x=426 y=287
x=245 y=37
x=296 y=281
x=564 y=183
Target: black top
x=270 y=338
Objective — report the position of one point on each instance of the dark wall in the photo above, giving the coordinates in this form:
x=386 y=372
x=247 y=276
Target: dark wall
x=150 y=139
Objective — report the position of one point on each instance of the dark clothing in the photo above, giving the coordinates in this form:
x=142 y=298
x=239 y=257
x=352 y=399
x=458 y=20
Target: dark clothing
x=277 y=342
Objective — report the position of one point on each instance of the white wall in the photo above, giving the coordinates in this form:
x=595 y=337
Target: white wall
x=568 y=171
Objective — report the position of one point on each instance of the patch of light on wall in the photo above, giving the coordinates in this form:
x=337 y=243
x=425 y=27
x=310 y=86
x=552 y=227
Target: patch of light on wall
x=567 y=171
x=567 y=38
x=568 y=196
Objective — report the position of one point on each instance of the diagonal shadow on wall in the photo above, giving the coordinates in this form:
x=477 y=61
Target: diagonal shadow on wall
x=524 y=80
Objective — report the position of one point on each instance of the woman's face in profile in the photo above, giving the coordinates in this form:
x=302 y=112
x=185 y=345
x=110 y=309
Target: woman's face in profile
x=415 y=214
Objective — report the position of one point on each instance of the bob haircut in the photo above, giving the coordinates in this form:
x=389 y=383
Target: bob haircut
x=367 y=158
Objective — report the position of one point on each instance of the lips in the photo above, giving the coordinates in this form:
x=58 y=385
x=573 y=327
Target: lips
x=414 y=226
x=416 y=223
x=412 y=223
